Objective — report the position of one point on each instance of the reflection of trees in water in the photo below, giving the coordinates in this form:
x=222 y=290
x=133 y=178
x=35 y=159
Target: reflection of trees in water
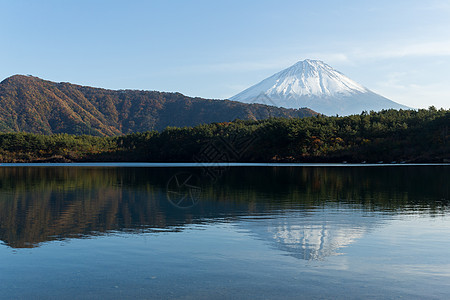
x=39 y=204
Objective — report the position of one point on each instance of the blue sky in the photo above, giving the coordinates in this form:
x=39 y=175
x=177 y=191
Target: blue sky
x=212 y=49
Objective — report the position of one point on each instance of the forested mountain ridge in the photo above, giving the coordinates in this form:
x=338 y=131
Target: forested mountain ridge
x=31 y=104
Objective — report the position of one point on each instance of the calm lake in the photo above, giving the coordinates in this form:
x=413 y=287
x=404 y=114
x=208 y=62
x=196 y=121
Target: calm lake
x=224 y=232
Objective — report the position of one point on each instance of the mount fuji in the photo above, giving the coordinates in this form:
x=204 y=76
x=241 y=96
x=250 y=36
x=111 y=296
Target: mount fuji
x=316 y=85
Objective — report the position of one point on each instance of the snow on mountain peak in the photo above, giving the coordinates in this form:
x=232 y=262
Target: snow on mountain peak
x=316 y=85
x=311 y=77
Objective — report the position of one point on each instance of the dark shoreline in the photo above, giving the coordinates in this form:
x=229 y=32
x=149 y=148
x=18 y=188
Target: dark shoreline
x=213 y=164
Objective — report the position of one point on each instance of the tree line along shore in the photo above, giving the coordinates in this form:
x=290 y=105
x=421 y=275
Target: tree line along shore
x=389 y=136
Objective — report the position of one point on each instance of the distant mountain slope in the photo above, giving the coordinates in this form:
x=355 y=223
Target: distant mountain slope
x=314 y=84
x=34 y=105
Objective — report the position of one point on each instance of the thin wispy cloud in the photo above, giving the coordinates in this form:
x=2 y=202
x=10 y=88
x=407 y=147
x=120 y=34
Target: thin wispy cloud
x=348 y=56
x=410 y=50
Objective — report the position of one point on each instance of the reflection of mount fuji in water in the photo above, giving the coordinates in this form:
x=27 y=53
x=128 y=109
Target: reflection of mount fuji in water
x=309 y=212
x=313 y=235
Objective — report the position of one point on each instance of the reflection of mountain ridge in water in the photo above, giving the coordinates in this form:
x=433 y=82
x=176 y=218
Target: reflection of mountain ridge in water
x=320 y=233
x=43 y=204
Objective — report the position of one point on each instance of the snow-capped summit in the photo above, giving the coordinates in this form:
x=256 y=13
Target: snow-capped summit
x=312 y=77
x=316 y=85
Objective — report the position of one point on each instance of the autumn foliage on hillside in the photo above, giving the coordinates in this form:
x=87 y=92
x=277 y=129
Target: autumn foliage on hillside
x=30 y=104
